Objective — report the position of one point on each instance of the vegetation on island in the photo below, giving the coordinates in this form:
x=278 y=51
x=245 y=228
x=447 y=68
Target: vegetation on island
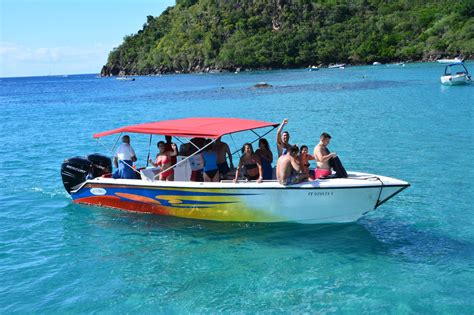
x=208 y=35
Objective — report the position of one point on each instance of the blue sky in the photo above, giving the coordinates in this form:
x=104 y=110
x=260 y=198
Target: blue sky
x=50 y=37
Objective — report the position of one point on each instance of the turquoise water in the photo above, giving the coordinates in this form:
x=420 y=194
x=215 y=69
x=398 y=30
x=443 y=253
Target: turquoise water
x=415 y=254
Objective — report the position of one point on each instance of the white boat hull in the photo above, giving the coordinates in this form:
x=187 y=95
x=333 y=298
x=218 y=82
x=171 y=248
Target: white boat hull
x=449 y=61
x=337 y=66
x=319 y=201
x=455 y=79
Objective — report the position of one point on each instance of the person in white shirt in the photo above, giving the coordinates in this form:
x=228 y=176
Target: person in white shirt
x=124 y=159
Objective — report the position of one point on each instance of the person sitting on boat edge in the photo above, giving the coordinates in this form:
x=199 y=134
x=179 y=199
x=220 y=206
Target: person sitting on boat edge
x=222 y=149
x=326 y=160
x=251 y=164
x=211 y=171
x=283 y=139
x=266 y=158
x=163 y=159
x=123 y=160
x=288 y=166
x=322 y=155
x=304 y=158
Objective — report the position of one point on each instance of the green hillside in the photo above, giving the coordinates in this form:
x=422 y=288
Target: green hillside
x=205 y=35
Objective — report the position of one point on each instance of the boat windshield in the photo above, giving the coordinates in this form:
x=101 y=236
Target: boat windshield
x=457 y=68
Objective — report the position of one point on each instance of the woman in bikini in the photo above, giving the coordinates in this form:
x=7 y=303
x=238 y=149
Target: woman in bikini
x=163 y=159
x=304 y=161
x=211 y=172
x=251 y=163
x=266 y=158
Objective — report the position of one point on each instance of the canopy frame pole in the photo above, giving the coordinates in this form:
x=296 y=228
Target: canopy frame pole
x=259 y=137
x=235 y=147
x=187 y=158
x=255 y=133
x=193 y=144
x=116 y=141
x=149 y=150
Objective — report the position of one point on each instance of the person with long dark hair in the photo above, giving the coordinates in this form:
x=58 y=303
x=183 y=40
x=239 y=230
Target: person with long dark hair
x=266 y=158
x=250 y=162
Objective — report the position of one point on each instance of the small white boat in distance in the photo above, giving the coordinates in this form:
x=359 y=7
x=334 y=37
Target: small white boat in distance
x=339 y=65
x=398 y=64
x=455 y=60
x=455 y=74
x=376 y=63
x=312 y=68
x=125 y=79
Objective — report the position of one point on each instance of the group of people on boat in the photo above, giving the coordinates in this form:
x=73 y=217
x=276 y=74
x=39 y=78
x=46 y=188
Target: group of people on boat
x=293 y=162
x=210 y=163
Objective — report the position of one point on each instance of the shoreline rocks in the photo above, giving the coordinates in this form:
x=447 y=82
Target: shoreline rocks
x=114 y=70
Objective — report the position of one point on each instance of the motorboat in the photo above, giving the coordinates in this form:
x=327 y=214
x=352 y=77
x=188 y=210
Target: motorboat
x=328 y=200
x=125 y=79
x=376 y=63
x=450 y=61
x=312 y=68
x=337 y=66
x=455 y=74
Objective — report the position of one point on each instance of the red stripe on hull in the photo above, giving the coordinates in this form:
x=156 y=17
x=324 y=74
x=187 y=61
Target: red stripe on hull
x=118 y=203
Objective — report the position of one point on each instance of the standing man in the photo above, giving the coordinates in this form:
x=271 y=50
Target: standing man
x=283 y=144
x=124 y=159
x=169 y=148
x=323 y=156
x=287 y=167
x=222 y=150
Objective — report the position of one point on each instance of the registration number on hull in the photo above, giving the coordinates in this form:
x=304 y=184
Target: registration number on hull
x=320 y=193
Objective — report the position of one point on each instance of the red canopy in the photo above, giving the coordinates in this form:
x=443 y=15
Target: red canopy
x=192 y=127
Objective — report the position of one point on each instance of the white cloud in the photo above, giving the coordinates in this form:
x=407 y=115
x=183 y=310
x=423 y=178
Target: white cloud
x=19 y=60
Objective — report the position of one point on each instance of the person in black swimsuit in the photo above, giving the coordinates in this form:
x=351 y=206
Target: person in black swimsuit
x=266 y=158
x=251 y=164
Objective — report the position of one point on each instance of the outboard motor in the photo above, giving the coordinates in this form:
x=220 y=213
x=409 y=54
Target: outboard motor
x=101 y=165
x=74 y=171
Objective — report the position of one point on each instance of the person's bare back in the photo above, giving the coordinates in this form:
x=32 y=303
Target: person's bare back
x=222 y=149
x=286 y=165
x=283 y=171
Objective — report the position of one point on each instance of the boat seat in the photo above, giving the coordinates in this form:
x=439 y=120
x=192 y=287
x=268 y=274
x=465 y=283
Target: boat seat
x=183 y=171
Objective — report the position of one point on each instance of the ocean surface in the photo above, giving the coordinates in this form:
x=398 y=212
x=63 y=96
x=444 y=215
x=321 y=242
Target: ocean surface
x=414 y=254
